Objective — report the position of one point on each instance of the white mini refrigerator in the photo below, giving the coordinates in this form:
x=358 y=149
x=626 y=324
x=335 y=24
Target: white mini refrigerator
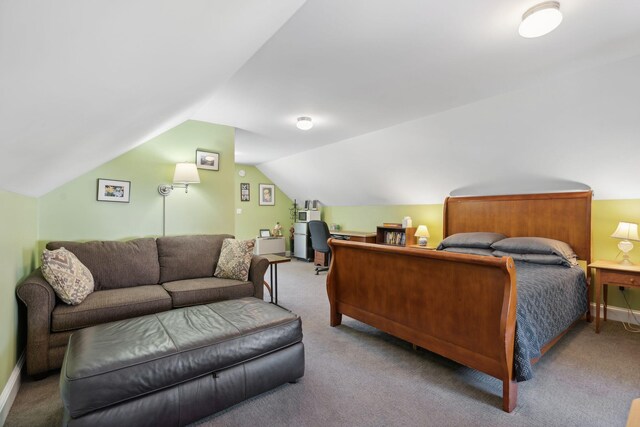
x=302 y=241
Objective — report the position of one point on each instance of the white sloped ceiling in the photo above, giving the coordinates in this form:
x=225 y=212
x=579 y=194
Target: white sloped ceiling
x=411 y=99
x=479 y=103
x=568 y=133
x=82 y=82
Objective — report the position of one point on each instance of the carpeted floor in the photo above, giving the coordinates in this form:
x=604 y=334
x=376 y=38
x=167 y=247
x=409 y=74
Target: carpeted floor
x=358 y=376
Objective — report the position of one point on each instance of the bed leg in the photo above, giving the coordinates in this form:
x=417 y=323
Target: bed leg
x=509 y=395
x=336 y=318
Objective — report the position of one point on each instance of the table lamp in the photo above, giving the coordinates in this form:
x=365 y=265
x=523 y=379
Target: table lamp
x=423 y=233
x=626 y=231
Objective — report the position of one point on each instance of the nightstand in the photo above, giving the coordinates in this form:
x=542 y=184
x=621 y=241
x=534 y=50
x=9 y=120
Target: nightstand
x=612 y=273
x=429 y=248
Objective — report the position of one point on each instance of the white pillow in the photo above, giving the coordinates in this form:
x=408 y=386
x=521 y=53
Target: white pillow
x=68 y=277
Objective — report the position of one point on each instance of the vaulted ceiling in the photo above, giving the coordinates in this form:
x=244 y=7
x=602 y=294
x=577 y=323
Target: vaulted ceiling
x=82 y=82
x=408 y=81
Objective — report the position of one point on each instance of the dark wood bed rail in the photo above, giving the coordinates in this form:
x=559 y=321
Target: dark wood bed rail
x=426 y=298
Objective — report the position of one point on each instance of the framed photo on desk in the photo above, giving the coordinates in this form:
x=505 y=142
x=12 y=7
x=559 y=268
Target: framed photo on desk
x=265 y=232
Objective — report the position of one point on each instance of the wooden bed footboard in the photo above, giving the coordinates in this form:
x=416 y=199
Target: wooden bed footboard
x=428 y=299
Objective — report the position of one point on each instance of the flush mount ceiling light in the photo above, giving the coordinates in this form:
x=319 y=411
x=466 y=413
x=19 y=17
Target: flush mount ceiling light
x=304 y=123
x=540 y=19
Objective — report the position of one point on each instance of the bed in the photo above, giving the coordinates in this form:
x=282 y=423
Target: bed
x=463 y=306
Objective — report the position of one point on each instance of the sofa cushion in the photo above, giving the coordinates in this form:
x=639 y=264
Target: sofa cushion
x=207 y=289
x=68 y=277
x=109 y=305
x=235 y=259
x=117 y=264
x=189 y=257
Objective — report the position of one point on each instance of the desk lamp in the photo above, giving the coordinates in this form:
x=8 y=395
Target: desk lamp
x=626 y=231
x=423 y=233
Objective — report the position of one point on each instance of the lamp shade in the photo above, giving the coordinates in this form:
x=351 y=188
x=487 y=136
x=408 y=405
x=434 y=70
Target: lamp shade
x=186 y=173
x=626 y=231
x=541 y=19
x=422 y=231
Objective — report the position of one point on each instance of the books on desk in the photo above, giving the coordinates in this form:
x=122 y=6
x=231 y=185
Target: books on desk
x=395 y=238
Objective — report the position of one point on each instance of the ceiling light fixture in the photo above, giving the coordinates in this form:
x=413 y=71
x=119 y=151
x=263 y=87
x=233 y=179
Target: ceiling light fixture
x=541 y=19
x=304 y=123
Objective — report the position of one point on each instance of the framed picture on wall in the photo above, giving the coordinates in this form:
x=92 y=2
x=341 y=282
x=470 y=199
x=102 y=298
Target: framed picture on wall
x=111 y=190
x=244 y=191
x=207 y=160
x=267 y=195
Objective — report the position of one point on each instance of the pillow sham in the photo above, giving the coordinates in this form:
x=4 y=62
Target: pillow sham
x=70 y=279
x=471 y=240
x=471 y=251
x=543 y=259
x=536 y=245
x=235 y=259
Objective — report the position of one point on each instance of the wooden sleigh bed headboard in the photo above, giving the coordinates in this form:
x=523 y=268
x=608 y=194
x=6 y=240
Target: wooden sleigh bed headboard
x=560 y=216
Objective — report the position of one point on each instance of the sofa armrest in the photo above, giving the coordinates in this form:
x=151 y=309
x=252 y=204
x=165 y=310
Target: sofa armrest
x=40 y=299
x=257 y=270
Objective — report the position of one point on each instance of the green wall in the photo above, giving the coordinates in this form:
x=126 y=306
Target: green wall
x=71 y=211
x=604 y=218
x=19 y=234
x=255 y=217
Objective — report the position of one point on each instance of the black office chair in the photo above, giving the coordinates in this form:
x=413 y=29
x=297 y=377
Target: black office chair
x=319 y=236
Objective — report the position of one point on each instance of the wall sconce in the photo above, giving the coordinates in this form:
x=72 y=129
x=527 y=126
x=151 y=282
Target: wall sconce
x=423 y=234
x=626 y=231
x=185 y=174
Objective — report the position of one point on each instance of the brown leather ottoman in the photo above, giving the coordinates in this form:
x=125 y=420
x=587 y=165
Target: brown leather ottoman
x=175 y=367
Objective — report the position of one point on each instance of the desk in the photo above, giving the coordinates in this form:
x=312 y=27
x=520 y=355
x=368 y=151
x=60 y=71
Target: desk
x=612 y=273
x=355 y=236
x=274 y=260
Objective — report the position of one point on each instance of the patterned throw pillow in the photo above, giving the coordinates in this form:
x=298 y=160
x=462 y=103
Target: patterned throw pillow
x=68 y=277
x=235 y=259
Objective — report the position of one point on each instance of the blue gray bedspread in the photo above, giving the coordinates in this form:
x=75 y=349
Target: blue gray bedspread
x=550 y=299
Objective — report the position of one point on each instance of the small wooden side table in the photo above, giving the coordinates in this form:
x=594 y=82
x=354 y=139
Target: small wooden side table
x=612 y=273
x=274 y=260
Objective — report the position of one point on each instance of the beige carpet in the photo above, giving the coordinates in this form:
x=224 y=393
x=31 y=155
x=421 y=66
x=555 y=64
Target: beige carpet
x=358 y=376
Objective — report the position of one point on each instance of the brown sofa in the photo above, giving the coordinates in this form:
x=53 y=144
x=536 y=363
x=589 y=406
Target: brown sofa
x=132 y=278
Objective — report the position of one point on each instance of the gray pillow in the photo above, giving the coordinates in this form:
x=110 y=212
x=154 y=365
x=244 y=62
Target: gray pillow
x=536 y=258
x=69 y=278
x=235 y=259
x=471 y=251
x=471 y=240
x=536 y=245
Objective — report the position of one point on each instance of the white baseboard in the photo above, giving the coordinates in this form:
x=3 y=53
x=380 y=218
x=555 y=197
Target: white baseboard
x=619 y=314
x=10 y=390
